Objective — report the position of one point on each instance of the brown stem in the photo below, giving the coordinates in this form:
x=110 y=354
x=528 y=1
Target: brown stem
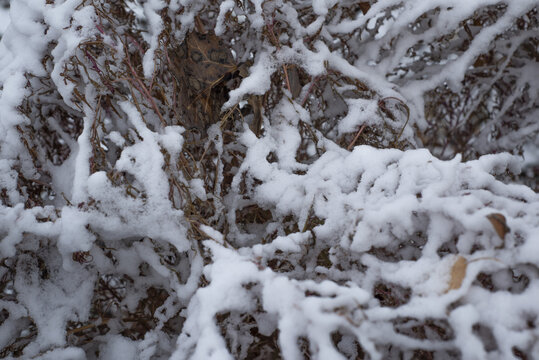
x=145 y=91
x=313 y=84
x=355 y=138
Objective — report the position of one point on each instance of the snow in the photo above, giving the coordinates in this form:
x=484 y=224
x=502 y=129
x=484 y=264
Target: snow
x=353 y=243
x=52 y=303
x=119 y=345
x=151 y=13
x=438 y=182
x=4 y=20
x=258 y=81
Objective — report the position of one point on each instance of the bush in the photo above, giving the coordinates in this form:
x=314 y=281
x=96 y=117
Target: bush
x=269 y=179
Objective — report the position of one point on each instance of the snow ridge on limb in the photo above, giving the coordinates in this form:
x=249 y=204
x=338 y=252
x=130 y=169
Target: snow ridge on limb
x=300 y=219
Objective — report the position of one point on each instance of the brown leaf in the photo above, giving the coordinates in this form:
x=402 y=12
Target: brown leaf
x=498 y=222
x=293 y=80
x=364 y=6
x=256 y=103
x=458 y=273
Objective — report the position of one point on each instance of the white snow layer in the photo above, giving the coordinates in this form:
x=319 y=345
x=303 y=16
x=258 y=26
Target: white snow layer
x=363 y=200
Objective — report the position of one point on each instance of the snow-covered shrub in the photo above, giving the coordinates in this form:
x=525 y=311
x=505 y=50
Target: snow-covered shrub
x=255 y=179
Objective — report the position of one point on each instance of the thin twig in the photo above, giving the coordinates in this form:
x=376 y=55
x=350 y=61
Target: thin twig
x=356 y=137
x=278 y=46
x=313 y=84
x=145 y=91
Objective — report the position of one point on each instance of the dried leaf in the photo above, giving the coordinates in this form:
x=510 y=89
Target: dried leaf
x=498 y=222
x=458 y=273
x=293 y=80
x=364 y=6
x=256 y=103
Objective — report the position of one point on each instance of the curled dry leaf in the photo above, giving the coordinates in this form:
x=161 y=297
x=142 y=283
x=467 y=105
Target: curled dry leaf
x=458 y=273
x=498 y=222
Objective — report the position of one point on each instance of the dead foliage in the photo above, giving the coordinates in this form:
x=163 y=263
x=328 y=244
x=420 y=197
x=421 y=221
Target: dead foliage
x=194 y=75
